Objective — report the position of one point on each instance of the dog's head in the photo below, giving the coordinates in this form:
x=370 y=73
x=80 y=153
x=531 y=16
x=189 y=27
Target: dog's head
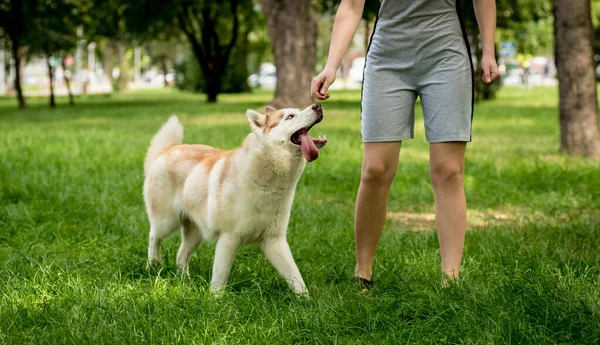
x=288 y=128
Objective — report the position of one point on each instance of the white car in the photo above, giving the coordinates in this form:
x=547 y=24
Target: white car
x=266 y=81
x=265 y=78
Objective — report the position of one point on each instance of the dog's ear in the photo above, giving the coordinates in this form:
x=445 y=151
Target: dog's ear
x=257 y=120
x=270 y=109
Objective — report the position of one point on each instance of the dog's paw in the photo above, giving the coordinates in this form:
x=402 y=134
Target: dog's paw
x=184 y=272
x=217 y=293
x=303 y=295
x=153 y=265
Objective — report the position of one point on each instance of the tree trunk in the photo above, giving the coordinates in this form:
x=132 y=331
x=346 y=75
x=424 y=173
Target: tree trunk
x=123 y=76
x=51 y=77
x=163 y=65
x=67 y=82
x=211 y=96
x=114 y=56
x=17 y=58
x=293 y=29
x=577 y=85
x=214 y=82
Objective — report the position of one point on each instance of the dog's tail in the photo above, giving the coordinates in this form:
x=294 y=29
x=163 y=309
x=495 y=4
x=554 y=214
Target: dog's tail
x=171 y=133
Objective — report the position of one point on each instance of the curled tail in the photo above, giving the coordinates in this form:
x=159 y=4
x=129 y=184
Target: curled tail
x=171 y=133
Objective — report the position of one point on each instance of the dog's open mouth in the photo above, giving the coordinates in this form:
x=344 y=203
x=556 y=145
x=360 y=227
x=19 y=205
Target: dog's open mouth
x=309 y=146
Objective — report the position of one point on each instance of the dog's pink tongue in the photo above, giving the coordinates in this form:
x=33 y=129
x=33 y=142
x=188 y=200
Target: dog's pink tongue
x=308 y=147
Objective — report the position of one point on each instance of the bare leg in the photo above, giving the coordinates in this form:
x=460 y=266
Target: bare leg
x=446 y=169
x=227 y=247
x=279 y=254
x=191 y=238
x=379 y=166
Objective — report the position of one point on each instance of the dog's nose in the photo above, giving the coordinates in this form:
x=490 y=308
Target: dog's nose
x=316 y=107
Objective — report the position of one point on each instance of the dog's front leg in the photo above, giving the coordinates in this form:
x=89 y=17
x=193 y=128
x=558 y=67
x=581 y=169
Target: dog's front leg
x=227 y=247
x=279 y=254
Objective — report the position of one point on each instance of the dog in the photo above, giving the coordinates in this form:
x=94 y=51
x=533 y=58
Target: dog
x=233 y=197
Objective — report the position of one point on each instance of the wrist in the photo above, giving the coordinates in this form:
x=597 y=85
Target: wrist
x=330 y=69
x=488 y=53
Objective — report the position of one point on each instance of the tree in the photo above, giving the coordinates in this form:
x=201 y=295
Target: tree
x=52 y=34
x=15 y=21
x=293 y=29
x=163 y=53
x=212 y=28
x=67 y=81
x=233 y=73
x=578 y=105
x=151 y=24
x=105 y=22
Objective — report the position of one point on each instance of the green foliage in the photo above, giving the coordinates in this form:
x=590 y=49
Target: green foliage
x=189 y=75
x=73 y=234
x=329 y=7
x=54 y=28
x=16 y=18
x=529 y=23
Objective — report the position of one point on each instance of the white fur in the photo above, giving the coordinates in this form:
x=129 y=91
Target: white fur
x=170 y=133
x=251 y=205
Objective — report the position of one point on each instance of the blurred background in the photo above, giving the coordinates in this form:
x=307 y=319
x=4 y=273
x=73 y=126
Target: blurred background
x=75 y=47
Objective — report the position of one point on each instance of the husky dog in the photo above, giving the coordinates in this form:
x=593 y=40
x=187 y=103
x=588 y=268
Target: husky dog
x=232 y=197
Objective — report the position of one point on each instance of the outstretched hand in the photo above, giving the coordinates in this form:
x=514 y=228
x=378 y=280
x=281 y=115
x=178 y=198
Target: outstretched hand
x=321 y=84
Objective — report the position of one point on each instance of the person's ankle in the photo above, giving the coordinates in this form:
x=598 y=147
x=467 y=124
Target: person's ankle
x=363 y=273
x=449 y=279
x=451 y=273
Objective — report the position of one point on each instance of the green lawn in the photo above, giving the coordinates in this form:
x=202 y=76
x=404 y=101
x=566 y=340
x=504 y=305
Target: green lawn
x=73 y=234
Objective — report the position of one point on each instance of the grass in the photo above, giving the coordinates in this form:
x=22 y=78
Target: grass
x=73 y=234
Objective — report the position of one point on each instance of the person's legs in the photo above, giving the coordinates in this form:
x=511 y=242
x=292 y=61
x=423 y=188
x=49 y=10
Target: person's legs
x=446 y=169
x=379 y=166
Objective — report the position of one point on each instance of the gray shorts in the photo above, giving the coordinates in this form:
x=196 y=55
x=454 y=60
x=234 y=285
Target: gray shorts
x=424 y=57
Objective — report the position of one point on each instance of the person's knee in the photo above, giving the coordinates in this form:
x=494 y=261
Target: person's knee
x=446 y=174
x=377 y=172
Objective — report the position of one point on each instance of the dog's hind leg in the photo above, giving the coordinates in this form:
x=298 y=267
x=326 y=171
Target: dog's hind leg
x=191 y=238
x=160 y=228
x=279 y=254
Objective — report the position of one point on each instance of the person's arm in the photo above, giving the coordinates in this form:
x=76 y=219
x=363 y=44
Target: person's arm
x=485 y=11
x=346 y=22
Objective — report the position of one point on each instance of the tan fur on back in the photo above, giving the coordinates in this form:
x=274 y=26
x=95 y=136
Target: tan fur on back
x=197 y=153
x=207 y=156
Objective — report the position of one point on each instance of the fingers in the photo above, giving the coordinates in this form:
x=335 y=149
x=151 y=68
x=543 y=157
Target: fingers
x=326 y=84
x=315 y=86
x=490 y=72
x=495 y=73
x=487 y=76
x=319 y=87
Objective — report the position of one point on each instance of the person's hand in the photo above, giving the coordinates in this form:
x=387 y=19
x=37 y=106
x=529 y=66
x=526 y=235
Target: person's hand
x=321 y=84
x=490 y=69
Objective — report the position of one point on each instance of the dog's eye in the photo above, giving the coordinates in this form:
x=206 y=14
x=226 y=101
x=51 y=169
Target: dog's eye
x=289 y=117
